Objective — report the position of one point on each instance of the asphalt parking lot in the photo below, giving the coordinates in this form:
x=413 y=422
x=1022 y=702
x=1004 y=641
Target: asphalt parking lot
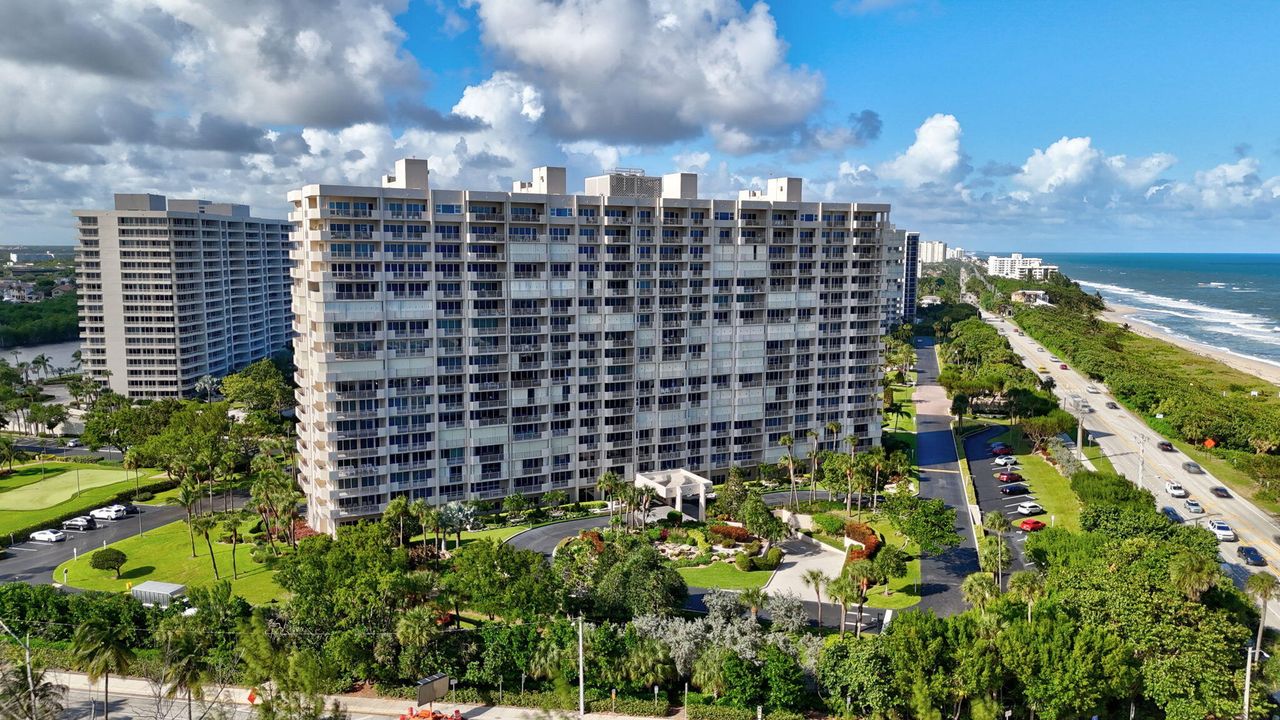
x=977 y=450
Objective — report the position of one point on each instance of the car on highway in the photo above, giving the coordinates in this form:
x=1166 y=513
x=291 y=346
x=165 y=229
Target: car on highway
x=49 y=535
x=1054 y=358
x=1193 y=506
x=1112 y=406
x=1014 y=489
x=1006 y=461
x=112 y=512
x=1029 y=508
x=1092 y=389
x=1250 y=555
x=1222 y=531
x=1062 y=366
x=1020 y=333
x=1165 y=445
x=81 y=523
x=1175 y=489
x=1171 y=514
x=1193 y=468
x=1041 y=369
x=1030 y=525
x=1039 y=349
x=1220 y=492
x=1009 y=476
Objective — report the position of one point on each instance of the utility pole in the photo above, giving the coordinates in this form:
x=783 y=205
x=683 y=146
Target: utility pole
x=1080 y=435
x=1248 y=675
x=582 y=684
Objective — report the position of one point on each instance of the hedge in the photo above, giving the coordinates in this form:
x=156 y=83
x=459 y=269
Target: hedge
x=829 y=523
x=721 y=712
x=730 y=532
x=861 y=533
x=596 y=702
x=21 y=534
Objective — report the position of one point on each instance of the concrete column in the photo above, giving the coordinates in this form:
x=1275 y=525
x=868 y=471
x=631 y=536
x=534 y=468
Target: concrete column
x=702 y=502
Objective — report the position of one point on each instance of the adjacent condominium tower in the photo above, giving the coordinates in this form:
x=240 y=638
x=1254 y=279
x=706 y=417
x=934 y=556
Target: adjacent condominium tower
x=902 y=253
x=172 y=290
x=470 y=344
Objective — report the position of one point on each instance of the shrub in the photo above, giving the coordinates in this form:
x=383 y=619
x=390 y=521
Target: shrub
x=864 y=534
x=730 y=532
x=752 y=548
x=770 y=561
x=829 y=524
x=743 y=561
x=699 y=539
x=674 y=517
x=143 y=496
x=108 y=559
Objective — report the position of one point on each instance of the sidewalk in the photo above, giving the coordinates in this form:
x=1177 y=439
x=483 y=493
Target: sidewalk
x=382 y=707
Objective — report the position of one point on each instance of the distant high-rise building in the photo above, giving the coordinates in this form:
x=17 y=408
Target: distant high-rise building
x=932 y=252
x=471 y=344
x=902 y=253
x=955 y=253
x=172 y=290
x=1020 y=268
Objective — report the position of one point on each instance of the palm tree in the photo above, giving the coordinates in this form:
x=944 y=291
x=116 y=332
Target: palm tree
x=207 y=385
x=708 y=671
x=753 y=598
x=817 y=580
x=1192 y=573
x=607 y=485
x=41 y=365
x=861 y=574
x=204 y=524
x=8 y=451
x=101 y=649
x=231 y=522
x=187 y=497
x=996 y=522
x=1027 y=586
x=787 y=441
x=833 y=428
x=184 y=665
x=812 y=436
x=1265 y=587
x=994 y=557
x=29 y=695
x=979 y=589
x=842 y=591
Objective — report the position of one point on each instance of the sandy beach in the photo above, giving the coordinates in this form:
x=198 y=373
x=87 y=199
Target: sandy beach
x=1122 y=314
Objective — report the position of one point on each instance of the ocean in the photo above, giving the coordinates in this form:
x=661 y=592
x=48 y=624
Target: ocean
x=1228 y=301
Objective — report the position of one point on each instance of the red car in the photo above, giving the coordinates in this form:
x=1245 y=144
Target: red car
x=1063 y=366
x=1030 y=525
x=1002 y=451
x=1008 y=477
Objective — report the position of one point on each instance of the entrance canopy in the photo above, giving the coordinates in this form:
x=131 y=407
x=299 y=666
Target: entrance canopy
x=675 y=485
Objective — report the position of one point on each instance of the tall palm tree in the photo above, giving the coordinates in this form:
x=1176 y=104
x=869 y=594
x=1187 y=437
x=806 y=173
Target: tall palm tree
x=996 y=522
x=812 y=436
x=994 y=556
x=1027 y=586
x=753 y=598
x=230 y=522
x=608 y=485
x=101 y=649
x=185 y=664
x=207 y=385
x=817 y=581
x=833 y=428
x=1264 y=587
x=26 y=694
x=187 y=497
x=979 y=589
x=1192 y=573
x=842 y=591
x=204 y=524
x=861 y=574
x=787 y=441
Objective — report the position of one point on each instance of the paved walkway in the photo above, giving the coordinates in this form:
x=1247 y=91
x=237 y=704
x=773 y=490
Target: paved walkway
x=942 y=574
x=802 y=556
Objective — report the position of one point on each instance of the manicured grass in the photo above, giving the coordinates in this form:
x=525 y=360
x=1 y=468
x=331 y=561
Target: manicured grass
x=164 y=554
x=905 y=423
x=905 y=589
x=25 y=502
x=1099 y=460
x=725 y=576
x=1052 y=491
x=501 y=534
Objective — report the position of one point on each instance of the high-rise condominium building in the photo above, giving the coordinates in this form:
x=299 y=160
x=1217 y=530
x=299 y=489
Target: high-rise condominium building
x=470 y=344
x=902 y=253
x=932 y=252
x=172 y=290
x=1020 y=268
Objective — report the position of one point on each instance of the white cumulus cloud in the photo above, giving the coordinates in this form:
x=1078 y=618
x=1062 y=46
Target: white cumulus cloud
x=934 y=157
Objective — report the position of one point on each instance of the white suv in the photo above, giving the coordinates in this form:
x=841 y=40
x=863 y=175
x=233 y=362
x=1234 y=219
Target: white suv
x=1175 y=489
x=114 y=512
x=1222 y=531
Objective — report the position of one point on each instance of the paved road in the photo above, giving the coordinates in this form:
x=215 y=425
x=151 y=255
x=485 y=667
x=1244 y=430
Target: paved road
x=52 y=447
x=942 y=574
x=1130 y=444
x=34 y=562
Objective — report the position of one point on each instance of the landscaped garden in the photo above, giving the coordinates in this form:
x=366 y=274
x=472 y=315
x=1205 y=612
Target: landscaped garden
x=42 y=493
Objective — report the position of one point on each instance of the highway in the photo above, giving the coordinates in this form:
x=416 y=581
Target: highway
x=1128 y=442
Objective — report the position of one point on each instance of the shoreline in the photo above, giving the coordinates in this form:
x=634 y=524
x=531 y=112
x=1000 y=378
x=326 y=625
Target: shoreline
x=1123 y=314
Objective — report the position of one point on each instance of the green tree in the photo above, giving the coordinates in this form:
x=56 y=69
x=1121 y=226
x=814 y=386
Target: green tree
x=753 y=598
x=759 y=520
x=204 y=524
x=960 y=407
x=1192 y=573
x=927 y=522
x=187 y=497
x=260 y=387
x=514 y=505
x=101 y=648
x=891 y=563
x=744 y=683
x=1264 y=587
x=843 y=591
x=789 y=463
x=783 y=678
x=8 y=452
x=732 y=494
x=1027 y=586
x=709 y=670
x=26 y=693
x=994 y=556
x=816 y=580
x=395 y=514
x=979 y=590
x=861 y=574
x=108 y=559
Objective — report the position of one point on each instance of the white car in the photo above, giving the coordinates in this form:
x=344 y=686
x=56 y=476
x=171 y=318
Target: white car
x=1005 y=460
x=1029 y=508
x=1054 y=358
x=1039 y=349
x=1222 y=531
x=1175 y=489
x=49 y=535
x=73 y=443
x=114 y=512
x=1092 y=389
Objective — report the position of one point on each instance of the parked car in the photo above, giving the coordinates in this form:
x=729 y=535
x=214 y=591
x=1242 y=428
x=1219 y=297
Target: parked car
x=1171 y=514
x=1193 y=468
x=49 y=535
x=1030 y=525
x=73 y=443
x=1112 y=406
x=1193 y=506
x=1001 y=451
x=130 y=508
x=1029 y=508
x=1221 y=492
x=1014 y=489
x=112 y=512
x=83 y=522
x=1250 y=555
x=1222 y=531
x=1165 y=445
x=1006 y=461
x=1175 y=489
x=1009 y=476
x=1062 y=366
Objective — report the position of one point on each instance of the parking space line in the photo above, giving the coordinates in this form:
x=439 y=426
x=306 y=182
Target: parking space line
x=15 y=547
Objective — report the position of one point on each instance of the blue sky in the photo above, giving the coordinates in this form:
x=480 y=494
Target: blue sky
x=1029 y=125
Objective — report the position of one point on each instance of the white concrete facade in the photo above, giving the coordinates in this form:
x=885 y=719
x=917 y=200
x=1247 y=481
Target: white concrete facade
x=172 y=290
x=1020 y=268
x=468 y=344
x=933 y=251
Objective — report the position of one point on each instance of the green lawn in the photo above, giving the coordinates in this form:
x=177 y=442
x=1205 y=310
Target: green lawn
x=905 y=589
x=1099 y=460
x=725 y=576
x=27 y=500
x=164 y=554
x=1052 y=491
